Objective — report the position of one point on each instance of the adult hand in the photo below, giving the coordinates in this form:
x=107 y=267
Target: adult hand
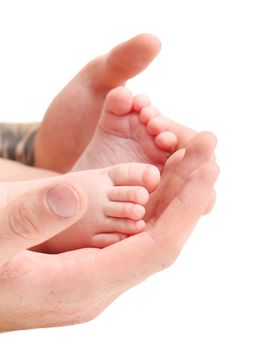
x=38 y=290
x=25 y=222
x=75 y=111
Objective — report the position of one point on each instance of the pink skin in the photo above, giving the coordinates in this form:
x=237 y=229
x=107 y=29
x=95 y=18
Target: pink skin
x=75 y=111
x=116 y=199
x=39 y=290
x=122 y=135
x=78 y=106
x=129 y=129
x=183 y=162
x=198 y=152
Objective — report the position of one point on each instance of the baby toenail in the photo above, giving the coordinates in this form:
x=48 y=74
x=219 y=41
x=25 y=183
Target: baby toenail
x=148 y=173
x=142 y=196
x=140 y=225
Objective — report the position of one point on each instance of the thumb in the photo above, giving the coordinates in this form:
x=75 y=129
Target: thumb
x=38 y=215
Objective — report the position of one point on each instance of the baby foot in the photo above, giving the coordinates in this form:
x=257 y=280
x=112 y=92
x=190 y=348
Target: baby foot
x=75 y=112
x=129 y=129
x=117 y=196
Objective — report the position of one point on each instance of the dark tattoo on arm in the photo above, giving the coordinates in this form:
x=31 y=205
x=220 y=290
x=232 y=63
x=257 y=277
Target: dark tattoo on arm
x=17 y=142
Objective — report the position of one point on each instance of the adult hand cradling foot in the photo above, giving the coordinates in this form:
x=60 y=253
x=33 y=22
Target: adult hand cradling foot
x=126 y=186
x=80 y=105
x=40 y=290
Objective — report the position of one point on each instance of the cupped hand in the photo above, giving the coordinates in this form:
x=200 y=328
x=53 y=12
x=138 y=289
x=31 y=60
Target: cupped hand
x=41 y=290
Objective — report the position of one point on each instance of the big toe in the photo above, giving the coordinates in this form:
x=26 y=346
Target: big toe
x=135 y=174
x=119 y=101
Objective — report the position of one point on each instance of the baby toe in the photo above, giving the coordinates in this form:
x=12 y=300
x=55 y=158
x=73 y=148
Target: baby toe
x=135 y=194
x=148 y=113
x=135 y=174
x=139 y=102
x=127 y=226
x=167 y=141
x=124 y=210
x=157 y=125
x=119 y=101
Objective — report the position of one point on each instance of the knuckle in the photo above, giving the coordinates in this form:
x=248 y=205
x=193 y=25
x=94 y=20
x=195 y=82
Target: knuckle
x=23 y=221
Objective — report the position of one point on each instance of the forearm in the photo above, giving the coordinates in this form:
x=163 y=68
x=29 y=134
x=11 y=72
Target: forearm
x=17 y=141
x=17 y=150
x=13 y=171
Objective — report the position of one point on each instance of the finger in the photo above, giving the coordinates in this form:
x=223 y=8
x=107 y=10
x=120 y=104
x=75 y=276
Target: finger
x=199 y=150
x=173 y=161
x=36 y=216
x=188 y=206
x=128 y=59
x=123 y=62
x=184 y=135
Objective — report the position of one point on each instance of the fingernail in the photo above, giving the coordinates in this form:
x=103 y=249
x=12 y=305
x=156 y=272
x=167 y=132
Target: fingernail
x=63 y=201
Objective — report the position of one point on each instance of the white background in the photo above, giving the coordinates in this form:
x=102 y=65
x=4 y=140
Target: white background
x=210 y=75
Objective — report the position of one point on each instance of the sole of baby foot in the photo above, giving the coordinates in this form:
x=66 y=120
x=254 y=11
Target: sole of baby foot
x=129 y=130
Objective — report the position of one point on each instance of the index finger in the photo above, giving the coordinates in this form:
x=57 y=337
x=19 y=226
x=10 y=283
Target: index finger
x=184 y=134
